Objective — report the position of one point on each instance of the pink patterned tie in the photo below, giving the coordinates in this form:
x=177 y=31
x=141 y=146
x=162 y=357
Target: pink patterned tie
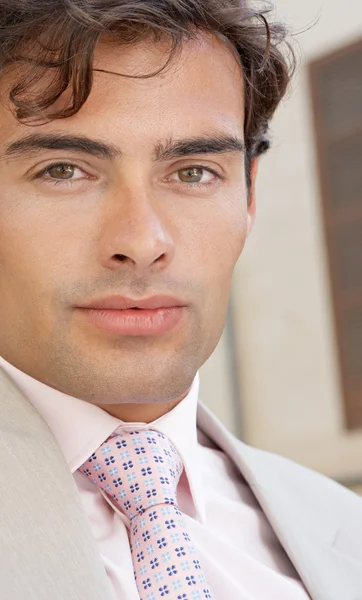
x=140 y=470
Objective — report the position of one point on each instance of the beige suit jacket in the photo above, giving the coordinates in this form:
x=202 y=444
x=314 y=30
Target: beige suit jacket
x=47 y=550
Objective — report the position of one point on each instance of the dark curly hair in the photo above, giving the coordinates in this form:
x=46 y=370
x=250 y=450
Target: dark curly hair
x=61 y=36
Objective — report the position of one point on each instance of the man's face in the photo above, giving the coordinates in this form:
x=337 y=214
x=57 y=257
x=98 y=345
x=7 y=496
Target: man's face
x=179 y=232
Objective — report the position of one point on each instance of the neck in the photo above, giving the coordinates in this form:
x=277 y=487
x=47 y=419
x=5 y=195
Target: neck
x=140 y=413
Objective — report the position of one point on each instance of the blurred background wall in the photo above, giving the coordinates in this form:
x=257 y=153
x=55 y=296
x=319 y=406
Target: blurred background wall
x=287 y=374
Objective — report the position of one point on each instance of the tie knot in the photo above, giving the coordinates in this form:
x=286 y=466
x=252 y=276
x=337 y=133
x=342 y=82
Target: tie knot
x=138 y=469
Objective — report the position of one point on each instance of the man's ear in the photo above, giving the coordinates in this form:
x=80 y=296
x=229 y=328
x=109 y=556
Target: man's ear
x=251 y=197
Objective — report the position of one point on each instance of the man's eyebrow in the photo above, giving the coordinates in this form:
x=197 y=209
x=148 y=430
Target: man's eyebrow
x=163 y=151
x=218 y=144
x=59 y=141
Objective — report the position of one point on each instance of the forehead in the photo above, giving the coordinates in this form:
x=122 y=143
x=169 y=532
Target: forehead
x=202 y=89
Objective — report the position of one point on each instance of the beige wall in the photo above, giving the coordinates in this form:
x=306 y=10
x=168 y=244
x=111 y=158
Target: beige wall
x=287 y=363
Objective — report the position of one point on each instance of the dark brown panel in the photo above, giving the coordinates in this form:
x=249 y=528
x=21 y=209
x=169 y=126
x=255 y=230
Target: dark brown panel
x=351 y=361
x=346 y=256
x=336 y=85
x=344 y=166
x=340 y=91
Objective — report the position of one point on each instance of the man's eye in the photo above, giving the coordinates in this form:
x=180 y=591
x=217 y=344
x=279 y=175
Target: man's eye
x=61 y=171
x=191 y=175
x=197 y=174
x=58 y=173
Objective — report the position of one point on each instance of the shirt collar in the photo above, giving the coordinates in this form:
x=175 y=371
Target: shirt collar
x=80 y=427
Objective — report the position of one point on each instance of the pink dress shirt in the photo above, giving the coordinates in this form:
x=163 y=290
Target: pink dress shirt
x=241 y=556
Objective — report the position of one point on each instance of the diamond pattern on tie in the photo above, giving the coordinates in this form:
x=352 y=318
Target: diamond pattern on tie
x=140 y=470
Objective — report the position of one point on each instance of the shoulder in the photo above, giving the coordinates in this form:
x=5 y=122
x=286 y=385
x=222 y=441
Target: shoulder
x=298 y=480
x=277 y=475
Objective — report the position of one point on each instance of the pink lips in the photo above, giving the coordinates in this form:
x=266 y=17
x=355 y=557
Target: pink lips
x=124 y=316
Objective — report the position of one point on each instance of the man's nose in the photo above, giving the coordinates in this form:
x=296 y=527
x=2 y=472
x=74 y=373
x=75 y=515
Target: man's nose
x=138 y=233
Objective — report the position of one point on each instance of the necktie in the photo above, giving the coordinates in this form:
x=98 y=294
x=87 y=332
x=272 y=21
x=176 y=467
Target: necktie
x=140 y=470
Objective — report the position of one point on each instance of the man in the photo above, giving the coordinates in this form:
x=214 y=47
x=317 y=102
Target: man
x=130 y=133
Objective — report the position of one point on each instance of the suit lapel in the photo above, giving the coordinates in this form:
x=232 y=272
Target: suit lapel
x=318 y=522
x=46 y=546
